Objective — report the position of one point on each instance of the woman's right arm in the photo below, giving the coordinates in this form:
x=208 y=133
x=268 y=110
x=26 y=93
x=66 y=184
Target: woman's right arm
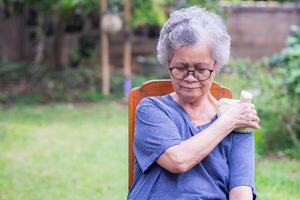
x=182 y=157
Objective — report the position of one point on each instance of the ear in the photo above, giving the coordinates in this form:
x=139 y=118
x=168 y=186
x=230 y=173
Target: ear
x=169 y=62
x=215 y=64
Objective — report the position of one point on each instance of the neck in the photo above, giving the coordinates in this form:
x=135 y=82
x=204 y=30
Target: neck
x=200 y=110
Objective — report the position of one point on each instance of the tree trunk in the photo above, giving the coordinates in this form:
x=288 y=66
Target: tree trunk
x=39 y=51
x=57 y=44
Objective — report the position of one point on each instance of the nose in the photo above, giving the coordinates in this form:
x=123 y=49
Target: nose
x=190 y=77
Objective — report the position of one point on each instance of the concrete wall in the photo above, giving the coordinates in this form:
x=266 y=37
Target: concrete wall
x=260 y=29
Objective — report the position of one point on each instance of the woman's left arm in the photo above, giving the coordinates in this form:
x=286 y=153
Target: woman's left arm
x=241 y=193
x=241 y=167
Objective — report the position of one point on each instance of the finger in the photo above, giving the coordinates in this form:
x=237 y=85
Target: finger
x=251 y=116
x=246 y=108
x=246 y=122
x=250 y=123
x=253 y=112
x=254 y=125
x=257 y=119
x=249 y=119
x=254 y=117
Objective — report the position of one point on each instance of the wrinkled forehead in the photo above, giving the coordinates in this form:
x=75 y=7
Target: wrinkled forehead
x=201 y=51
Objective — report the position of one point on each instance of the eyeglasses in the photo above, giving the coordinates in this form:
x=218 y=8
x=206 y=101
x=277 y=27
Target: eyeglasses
x=180 y=73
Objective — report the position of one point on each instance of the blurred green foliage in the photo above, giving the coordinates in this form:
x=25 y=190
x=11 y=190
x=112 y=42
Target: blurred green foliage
x=154 y=12
x=20 y=85
x=148 y=12
x=287 y=63
x=273 y=108
x=60 y=7
x=275 y=83
x=286 y=69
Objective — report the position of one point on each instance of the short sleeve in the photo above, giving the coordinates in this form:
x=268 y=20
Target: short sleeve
x=155 y=132
x=241 y=161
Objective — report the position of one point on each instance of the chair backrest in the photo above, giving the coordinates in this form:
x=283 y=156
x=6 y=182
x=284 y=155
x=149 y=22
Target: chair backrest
x=156 y=88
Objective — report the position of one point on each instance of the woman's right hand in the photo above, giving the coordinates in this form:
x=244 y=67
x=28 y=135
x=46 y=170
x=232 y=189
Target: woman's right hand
x=241 y=115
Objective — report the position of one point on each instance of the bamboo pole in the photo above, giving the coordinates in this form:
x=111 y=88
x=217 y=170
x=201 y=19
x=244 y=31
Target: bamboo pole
x=127 y=49
x=104 y=53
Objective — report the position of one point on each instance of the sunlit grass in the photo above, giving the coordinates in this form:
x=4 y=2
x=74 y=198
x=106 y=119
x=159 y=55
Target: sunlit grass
x=70 y=152
x=278 y=179
x=63 y=152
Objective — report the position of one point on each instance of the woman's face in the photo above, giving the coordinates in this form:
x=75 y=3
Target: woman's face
x=198 y=56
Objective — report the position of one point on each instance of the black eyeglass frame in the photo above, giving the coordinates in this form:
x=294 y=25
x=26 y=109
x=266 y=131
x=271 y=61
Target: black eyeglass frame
x=193 y=73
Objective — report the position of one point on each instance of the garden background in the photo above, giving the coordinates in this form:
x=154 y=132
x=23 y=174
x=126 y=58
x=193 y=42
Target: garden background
x=62 y=137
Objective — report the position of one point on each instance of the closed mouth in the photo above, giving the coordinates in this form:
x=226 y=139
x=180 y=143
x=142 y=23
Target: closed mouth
x=191 y=88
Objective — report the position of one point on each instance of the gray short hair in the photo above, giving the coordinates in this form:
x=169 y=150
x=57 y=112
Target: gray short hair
x=186 y=26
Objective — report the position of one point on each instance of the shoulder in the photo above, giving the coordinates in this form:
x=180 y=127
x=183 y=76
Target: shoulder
x=158 y=102
x=158 y=107
x=147 y=101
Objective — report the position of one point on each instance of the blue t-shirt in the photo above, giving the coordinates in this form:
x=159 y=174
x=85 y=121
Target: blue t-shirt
x=161 y=123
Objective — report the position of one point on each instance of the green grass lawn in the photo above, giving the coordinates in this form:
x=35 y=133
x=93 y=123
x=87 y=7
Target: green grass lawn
x=66 y=151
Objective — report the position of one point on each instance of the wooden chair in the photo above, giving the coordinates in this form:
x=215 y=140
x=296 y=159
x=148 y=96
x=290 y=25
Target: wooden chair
x=156 y=88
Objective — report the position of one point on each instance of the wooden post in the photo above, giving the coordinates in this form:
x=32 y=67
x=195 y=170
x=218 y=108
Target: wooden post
x=104 y=53
x=127 y=49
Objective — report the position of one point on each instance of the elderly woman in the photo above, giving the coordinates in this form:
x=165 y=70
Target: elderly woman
x=183 y=150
